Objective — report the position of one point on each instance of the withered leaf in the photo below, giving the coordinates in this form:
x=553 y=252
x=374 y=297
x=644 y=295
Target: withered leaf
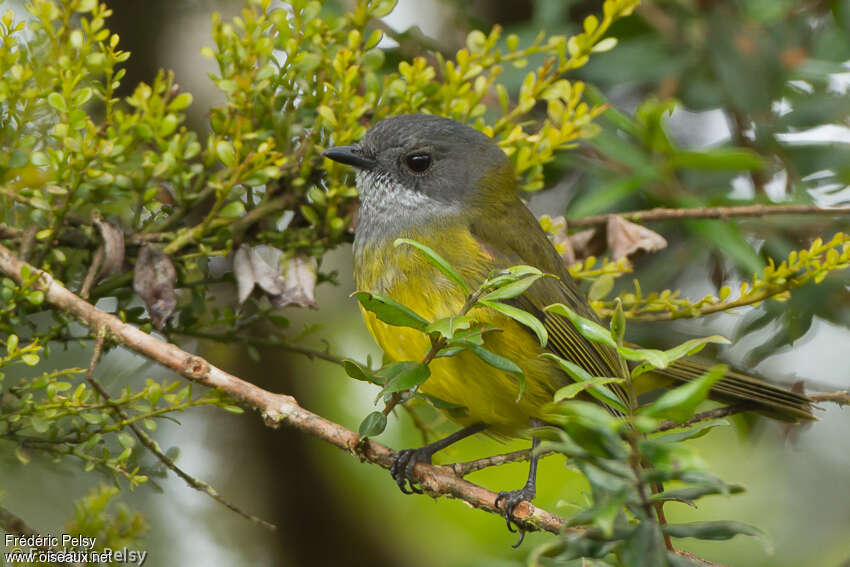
x=258 y=265
x=113 y=246
x=626 y=238
x=300 y=284
x=290 y=282
x=154 y=278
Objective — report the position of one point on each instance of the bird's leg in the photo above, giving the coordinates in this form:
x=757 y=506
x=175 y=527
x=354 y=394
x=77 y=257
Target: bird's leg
x=511 y=499
x=402 y=467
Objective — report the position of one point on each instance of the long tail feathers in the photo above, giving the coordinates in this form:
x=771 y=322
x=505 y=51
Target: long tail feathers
x=736 y=387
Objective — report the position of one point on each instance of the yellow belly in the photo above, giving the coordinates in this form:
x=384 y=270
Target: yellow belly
x=490 y=395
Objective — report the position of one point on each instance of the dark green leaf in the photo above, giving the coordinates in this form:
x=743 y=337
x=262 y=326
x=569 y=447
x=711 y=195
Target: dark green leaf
x=712 y=530
x=389 y=311
x=679 y=404
x=590 y=330
x=579 y=374
x=374 y=424
x=448 y=326
x=718 y=158
x=512 y=289
x=572 y=390
x=357 y=372
x=438 y=261
x=520 y=316
x=400 y=376
x=645 y=547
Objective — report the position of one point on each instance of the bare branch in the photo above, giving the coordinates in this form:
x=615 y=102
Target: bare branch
x=276 y=409
x=659 y=214
x=842 y=398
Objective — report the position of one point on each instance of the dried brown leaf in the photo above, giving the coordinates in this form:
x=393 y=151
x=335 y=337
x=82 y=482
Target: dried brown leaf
x=244 y=273
x=300 y=284
x=626 y=238
x=113 y=246
x=154 y=278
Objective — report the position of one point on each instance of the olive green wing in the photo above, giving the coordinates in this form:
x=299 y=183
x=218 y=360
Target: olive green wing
x=517 y=238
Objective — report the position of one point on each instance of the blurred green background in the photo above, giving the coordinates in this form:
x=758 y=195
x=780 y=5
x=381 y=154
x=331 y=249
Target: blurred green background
x=768 y=75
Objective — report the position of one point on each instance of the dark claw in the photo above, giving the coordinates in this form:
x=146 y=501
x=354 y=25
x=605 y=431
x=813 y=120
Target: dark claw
x=402 y=468
x=510 y=500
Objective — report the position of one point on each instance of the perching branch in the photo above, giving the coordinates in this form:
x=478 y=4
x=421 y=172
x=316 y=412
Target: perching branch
x=276 y=409
x=659 y=214
x=279 y=409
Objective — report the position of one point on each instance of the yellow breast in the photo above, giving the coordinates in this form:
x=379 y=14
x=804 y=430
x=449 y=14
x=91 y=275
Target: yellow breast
x=489 y=394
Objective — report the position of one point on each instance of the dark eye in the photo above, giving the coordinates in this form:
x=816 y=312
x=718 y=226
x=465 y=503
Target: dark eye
x=418 y=162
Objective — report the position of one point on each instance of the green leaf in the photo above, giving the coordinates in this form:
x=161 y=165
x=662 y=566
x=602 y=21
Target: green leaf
x=590 y=330
x=354 y=370
x=654 y=357
x=225 y=152
x=39 y=424
x=400 y=376
x=618 y=323
x=181 y=101
x=447 y=326
x=30 y=359
x=57 y=101
x=520 y=316
x=436 y=260
x=570 y=391
x=601 y=287
x=126 y=440
x=712 y=530
x=692 y=346
x=718 y=159
x=580 y=375
x=645 y=547
x=512 y=289
x=690 y=493
x=679 y=404
x=232 y=210
x=389 y=311
x=373 y=424
x=694 y=431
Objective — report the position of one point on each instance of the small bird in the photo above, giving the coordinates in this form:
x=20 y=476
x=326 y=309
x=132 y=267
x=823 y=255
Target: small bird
x=451 y=187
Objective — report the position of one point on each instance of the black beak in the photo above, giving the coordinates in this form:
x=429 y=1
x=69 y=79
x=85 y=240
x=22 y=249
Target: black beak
x=350 y=155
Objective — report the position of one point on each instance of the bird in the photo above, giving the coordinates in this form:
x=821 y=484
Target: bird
x=450 y=187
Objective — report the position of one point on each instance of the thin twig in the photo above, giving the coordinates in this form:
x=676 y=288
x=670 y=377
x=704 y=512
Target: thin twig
x=717 y=413
x=276 y=409
x=469 y=467
x=91 y=275
x=842 y=398
x=153 y=446
x=311 y=353
x=659 y=214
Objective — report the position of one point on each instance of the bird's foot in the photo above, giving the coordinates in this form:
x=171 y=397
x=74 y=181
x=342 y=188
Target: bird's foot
x=402 y=468
x=509 y=500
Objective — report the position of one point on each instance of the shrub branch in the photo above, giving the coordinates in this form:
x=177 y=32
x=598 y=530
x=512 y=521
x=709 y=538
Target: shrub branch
x=659 y=214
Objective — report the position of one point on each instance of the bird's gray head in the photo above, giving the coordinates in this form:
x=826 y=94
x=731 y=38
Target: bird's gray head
x=416 y=166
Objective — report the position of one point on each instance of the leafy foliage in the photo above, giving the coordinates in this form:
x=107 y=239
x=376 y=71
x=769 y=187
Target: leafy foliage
x=620 y=453
x=120 y=200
